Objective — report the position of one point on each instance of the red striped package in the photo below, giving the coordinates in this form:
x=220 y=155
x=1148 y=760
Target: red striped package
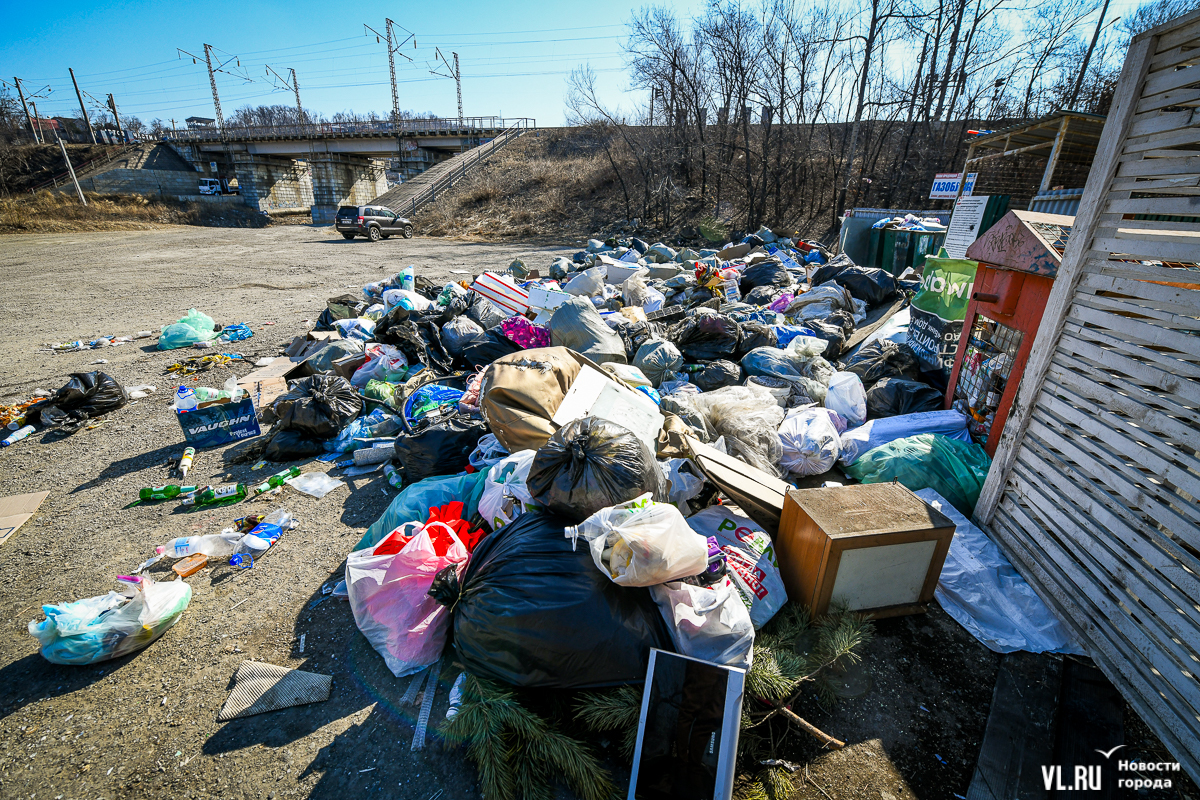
x=502 y=291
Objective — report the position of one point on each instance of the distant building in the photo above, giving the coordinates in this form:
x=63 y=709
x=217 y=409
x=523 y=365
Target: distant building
x=199 y=122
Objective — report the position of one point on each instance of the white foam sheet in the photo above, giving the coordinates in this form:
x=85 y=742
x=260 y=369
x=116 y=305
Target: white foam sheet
x=985 y=594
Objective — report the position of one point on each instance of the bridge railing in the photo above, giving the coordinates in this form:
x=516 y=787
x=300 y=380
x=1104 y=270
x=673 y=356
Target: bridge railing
x=335 y=129
x=470 y=161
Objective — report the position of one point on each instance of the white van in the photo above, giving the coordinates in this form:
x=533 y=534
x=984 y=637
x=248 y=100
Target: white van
x=210 y=186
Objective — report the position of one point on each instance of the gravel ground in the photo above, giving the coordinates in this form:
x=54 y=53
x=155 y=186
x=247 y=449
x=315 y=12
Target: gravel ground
x=145 y=725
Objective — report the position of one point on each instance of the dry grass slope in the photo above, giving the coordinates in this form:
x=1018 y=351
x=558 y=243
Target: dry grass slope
x=57 y=212
x=543 y=185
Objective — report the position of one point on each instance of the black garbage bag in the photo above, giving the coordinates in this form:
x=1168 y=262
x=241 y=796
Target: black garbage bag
x=844 y=320
x=639 y=245
x=292 y=445
x=485 y=312
x=718 y=374
x=484 y=348
x=83 y=396
x=533 y=610
x=834 y=267
x=427 y=288
x=418 y=337
x=891 y=397
x=754 y=335
x=765 y=273
x=318 y=406
x=869 y=284
x=706 y=336
x=442 y=448
x=590 y=464
x=762 y=295
x=636 y=334
x=832 y=334
x=882 y=359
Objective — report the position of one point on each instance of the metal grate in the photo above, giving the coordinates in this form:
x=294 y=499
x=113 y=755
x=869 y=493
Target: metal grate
x=983 y=376
x=1055 y=235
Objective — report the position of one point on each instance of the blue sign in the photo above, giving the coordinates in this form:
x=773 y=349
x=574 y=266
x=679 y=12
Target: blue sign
x=219 y=424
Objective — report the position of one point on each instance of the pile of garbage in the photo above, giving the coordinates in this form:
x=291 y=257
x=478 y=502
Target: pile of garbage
x=554 y=521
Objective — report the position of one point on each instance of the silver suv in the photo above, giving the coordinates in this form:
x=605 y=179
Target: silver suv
x=373 y=222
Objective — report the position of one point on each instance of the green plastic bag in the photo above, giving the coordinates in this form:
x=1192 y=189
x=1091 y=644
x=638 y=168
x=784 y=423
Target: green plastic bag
x=938 y=311
x=414 y=502
x=195 y=327
x=955 y=470
x=381 y=392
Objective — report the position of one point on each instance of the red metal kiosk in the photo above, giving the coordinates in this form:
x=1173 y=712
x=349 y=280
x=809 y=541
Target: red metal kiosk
x=1018 y=261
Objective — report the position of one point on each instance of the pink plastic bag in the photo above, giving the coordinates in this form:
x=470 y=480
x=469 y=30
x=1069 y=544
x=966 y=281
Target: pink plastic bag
x=389 y=598
x=523 y=332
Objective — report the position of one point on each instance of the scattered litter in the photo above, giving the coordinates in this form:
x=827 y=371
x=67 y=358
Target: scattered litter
x=315 y=484
x=259 y=687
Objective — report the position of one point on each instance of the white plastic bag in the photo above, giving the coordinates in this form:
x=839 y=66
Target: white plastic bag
x=707 y=622
x=588 y=283
x=314 y=484
x=111 y=625
x=384 y=362
x=683 y=481
x=810 y=442
x=487 y=453
x=750 y=556
x=505 y=495
x=847 y=397
x=406 y=298
x=642 y=543
x=389 y=597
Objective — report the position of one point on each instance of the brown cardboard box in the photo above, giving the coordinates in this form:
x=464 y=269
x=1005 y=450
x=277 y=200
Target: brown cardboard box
x=760 y=495
x=874 y=548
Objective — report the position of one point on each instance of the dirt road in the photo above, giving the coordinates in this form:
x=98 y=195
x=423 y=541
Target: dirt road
x=146 y=725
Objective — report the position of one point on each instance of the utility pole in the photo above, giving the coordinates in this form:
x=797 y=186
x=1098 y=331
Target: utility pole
x=38 y=119
x=71 y=170
x=452 y=72
x=82 y=107
x=294 y=85
x=173 y=126
x=1087 y=58
x=112 y=104
x=25 y=108
x=212 y=81
x=393 y=49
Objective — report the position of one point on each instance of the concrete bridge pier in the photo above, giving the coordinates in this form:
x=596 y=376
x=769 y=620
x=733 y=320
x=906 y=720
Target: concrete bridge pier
x=339 y=179
x=272 y=184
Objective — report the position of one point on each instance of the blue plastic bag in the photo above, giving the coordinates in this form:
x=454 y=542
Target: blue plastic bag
x=414 y=502
x=236 y=332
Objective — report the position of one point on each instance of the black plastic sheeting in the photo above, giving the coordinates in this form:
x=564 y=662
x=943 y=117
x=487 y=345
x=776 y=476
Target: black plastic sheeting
x=590 y=464
x=718 y=374
x=83 y=396
x=418 y=338
x=292 y=445
x=443 y=448
x=891 y=397
x=318 y=406
x=754 y=335
x=869 y=284
x=484 y=348
x=534 y=611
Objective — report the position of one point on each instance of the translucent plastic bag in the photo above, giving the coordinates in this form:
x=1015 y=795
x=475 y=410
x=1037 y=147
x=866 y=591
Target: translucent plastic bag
x=384 y=362
x=111 y=625
x=847 y=397
x=810 y=442
x=457 y=332
x=748 y=418
x=707 y=622
x=588 y=283
x=955 y=470
x=389 y=595
x=505 y=494
x=642 y=543
x=195 y=327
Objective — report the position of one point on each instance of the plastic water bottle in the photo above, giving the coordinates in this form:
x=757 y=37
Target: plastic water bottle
x=409 y=281
x=18 y=435
x=393 y=476
x=261 y=537
x=213 y=545
x=185 y=400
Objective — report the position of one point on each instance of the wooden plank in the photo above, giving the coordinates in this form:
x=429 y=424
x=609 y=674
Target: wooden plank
x=1169 y=383
x=1140 y=635
x=1136 y=412
x=1136 y=330
x=1161 y=552
x=1182 y=31
x=1180 y=181
x=1110 y=221
x=1186 y=96
x=1168 y=79
x=1019 y=737
x=1175 y=236
x=1156 y=645
x=1151 y=272
x=1171 y=727
x=1128 y=307
x=1152 y=248
x=1157 y=122
x=1182 y=301
x=1159 y=166
x=1183 y=206
x=1162 y=141
x=1168 y=59
x=1104 y=167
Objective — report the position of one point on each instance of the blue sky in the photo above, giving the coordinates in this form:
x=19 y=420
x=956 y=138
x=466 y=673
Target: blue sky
x=515 y=56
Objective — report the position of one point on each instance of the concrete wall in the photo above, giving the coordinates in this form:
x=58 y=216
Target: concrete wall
x=272 y=184
x=141 y=181
x=341 y=180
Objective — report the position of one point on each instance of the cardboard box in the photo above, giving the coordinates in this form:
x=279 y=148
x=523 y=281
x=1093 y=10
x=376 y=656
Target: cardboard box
x=875 y=548
x=595 y=394
x=218 y=424
x=16 y=510
x=549 y=299
x=266 y=383
x=758 y=493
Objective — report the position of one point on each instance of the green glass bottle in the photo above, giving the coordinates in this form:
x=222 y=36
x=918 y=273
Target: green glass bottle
x=221 y=494
x=165 y=492
x=277 y=479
